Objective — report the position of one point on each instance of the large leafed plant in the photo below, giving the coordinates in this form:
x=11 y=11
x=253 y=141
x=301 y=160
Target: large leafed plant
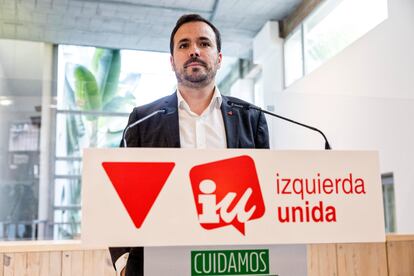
x=93 y=91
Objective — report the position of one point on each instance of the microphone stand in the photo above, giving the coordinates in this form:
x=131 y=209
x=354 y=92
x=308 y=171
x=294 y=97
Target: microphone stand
x=140 y=121
x=245 y=106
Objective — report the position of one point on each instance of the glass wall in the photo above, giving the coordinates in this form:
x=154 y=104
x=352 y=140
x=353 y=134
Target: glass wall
x=21 y=88
x=333 y=26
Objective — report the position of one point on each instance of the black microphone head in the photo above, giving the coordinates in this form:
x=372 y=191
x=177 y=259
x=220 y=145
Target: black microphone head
x=241 y=105
x=169 y=110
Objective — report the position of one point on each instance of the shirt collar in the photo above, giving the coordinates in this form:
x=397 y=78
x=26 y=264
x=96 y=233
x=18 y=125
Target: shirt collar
x=215 y=102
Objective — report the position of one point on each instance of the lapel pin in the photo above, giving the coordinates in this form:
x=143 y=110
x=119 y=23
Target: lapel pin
x=229 y=113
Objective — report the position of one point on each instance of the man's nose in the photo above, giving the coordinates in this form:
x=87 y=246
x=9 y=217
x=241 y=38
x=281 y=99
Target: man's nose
x=194 y=51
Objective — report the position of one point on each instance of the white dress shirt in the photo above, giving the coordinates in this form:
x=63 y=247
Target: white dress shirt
x=205 y=131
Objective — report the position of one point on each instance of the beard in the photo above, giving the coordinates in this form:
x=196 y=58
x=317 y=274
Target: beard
x=195 y=77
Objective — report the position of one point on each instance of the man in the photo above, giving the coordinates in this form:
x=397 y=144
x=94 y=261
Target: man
x=199 y=116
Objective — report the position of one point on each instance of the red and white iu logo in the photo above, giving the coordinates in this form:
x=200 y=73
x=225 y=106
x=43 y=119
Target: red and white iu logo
x=227 y=192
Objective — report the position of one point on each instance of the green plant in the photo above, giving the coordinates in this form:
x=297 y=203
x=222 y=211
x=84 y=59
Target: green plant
x=93 y=89
x=96 y=88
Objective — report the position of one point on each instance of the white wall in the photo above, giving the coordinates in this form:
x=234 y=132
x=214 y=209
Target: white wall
x=363 y=99
x=243 y=89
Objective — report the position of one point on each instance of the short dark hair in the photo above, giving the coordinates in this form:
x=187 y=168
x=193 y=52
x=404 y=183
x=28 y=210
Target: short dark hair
x=187 y=18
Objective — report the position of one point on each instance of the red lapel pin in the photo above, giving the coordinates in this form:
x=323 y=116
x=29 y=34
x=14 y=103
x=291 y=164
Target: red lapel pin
x=229 y=113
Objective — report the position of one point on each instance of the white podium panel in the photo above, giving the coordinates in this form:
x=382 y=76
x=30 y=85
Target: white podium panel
x=170 y=197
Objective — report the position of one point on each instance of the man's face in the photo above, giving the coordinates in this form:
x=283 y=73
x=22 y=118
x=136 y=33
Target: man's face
x=195 y=58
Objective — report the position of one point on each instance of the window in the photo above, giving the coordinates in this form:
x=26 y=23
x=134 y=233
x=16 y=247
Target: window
x=333 y=26
x=389 y=201
x=293 y=57
x=20 y=121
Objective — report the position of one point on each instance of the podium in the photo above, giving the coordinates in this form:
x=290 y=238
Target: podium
x=229 y=205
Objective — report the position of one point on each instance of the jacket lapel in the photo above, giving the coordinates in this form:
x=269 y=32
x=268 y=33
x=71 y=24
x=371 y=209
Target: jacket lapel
x=230 y=118
x=171 y=121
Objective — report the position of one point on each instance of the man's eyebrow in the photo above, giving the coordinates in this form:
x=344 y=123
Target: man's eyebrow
x=204 y=38
x=183 y=40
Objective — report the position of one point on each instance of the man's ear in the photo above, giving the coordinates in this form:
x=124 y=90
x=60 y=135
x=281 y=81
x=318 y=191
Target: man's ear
x=172 y=63
x=220 y=57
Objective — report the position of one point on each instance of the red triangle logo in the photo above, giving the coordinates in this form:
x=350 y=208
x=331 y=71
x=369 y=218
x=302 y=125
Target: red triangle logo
x=138 y=185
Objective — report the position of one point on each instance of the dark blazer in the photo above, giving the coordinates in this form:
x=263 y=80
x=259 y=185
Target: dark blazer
x=244 y=129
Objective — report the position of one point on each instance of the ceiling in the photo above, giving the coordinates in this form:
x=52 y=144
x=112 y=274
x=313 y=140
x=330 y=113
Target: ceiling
x=136 y=24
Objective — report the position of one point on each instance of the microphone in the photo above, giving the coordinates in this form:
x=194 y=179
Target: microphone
x=165 y=111
x=248 y=106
